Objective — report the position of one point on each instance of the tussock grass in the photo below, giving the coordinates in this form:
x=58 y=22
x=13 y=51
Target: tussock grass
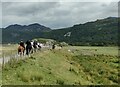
x=29 y=76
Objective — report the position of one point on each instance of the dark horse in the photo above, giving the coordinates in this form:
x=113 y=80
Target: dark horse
x=28 y=47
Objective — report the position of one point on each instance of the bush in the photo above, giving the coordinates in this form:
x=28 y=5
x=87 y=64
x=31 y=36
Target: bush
x=25 y=78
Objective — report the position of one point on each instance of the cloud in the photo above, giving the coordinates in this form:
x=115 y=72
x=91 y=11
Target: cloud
x=60 y=1
x=56 y=14
x=0 y=13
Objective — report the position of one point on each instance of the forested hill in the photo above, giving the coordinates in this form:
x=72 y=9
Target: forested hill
x=99 y=32
x=14 y=33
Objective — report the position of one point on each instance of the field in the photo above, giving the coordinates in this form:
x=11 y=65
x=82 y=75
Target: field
x=7 y=50
x=71 y=65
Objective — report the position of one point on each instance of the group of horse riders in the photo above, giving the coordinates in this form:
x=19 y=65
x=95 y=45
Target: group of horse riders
x=31 y=46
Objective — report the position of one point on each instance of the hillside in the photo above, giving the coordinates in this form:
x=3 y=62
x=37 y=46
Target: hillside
x=99 y=32
x=14 y=33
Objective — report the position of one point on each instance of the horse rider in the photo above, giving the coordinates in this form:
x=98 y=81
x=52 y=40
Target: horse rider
x=53 y=46
x=22 y=44
x=35 y=45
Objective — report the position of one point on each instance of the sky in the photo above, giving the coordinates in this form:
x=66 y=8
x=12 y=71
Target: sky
x=55 y=13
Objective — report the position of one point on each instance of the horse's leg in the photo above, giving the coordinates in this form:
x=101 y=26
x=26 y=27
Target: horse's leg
x=18 y=52
x=29 y=51
x=40 y=48
x=23 y=52
x=35 y=48
x=32 y=50
x=26 y=51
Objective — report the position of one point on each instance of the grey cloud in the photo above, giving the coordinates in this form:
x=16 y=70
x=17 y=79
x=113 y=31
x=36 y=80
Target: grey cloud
x=26 y=8
x=56 y=14
x=0 y=14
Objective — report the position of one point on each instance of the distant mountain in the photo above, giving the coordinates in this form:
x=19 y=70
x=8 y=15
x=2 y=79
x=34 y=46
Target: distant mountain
x=31 y=27
x=14 y=33
x=99 y=32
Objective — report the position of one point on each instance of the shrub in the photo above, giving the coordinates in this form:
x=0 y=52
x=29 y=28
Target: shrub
x=25 y=78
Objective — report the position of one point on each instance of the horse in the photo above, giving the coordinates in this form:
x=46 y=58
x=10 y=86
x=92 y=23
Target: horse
x=32 y=49
x=28 y=47
x=21 y=50
x=39 y=46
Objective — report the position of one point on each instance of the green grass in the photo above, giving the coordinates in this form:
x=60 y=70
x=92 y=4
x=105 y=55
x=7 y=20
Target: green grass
x=100 y=69
x=61 y=67
x=113 y=51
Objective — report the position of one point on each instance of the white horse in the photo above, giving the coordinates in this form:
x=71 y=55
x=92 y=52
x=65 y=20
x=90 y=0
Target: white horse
x=39 y=46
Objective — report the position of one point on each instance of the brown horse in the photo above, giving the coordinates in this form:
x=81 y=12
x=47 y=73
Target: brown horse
x=21 y=50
